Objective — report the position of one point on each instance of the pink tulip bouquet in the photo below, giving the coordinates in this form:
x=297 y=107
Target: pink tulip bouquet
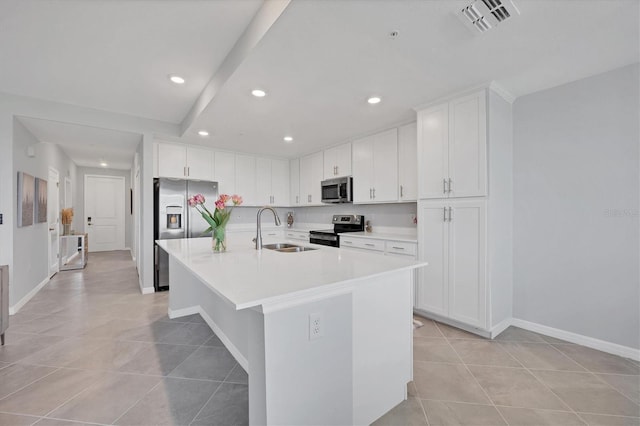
x=218 y=219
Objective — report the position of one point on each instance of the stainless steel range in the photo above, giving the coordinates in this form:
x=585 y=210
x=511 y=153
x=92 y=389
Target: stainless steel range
x=341 y=223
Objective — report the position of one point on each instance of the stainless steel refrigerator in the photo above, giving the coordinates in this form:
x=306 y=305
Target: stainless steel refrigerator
x=173 y=218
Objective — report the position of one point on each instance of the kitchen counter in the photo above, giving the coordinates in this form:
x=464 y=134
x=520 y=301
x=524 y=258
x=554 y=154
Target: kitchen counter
x=316 y=329
x=247 y=277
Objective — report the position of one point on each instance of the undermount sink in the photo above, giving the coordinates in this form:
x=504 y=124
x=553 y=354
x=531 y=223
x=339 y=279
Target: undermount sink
x=287 y=248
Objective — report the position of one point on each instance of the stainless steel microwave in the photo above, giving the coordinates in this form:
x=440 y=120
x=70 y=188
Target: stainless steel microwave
x=338 y=190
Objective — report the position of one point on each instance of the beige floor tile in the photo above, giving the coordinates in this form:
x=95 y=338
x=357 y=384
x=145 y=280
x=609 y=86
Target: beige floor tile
x=448 y=382
x=456 y=333
x=428 y=329
x=515 y=387
x=17 y=376
x=443 y=413
x=412 y=392
x=434 y=350
x=597 y=361
x=627 y=385
x=602 y=420
x=540 y=356
x=584 y=392
x=483 y=352
x=530 y=417
x=408 y=413
x=520 y=335
x=7 y=419
x=59 y=422
x=48 y=393
x=64 y=352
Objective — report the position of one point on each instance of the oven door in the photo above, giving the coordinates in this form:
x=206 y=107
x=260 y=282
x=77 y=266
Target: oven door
x=324 y=239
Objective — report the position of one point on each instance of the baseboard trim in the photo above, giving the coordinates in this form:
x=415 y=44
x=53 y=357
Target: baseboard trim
x=500 y=327
x=15 y=308
x=590 y=342
x=223 y=337
x=147 y=290
x=453 y=323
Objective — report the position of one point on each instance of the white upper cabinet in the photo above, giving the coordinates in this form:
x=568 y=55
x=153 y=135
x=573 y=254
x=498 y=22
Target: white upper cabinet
x=311 y=175
x=272 y=182
x=407 y=162
x=225 y=172
x=452 y=148
x=375 y=168
x=185 y=162
x=294 y=182
x=200 y=163
x=337 y=161
x=246 y=179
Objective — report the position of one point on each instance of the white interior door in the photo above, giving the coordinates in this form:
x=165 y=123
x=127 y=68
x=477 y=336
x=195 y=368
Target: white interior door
x=53 y=220
x=104 y=212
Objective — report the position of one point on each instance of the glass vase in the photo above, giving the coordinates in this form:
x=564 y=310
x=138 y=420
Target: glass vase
x=219 y=240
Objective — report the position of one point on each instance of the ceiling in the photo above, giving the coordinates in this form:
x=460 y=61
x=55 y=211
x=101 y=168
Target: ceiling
x=87 y=146
x=318 y=62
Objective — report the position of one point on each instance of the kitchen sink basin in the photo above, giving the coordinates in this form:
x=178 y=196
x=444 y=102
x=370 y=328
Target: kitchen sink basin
x=287 y=248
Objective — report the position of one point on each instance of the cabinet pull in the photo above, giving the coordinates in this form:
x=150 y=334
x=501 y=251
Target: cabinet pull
x=337 y=170
x=184 y=171
x=450 y=214
x=297 y=199
x=369 y=245
x=397 y=248
x=450 y=182
x=370 y=193
x=401 y=194
x=374 y=193
x=444 y=214
x=444 y=186
x=348 y=242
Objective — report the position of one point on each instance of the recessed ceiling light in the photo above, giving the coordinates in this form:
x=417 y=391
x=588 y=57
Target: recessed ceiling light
x=203 y=133
x=258 y=93
x=103 y=164
x=176 y=79
x=288 y=139
x=374 y=100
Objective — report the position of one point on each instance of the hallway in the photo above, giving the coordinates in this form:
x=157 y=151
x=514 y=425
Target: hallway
x=90 y=348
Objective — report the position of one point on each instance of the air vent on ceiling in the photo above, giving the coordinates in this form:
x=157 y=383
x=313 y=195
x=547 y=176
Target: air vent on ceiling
x=486 y=14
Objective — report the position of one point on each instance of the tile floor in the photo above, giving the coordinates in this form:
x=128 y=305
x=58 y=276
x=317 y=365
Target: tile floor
x=89 y=349
x=521 y=378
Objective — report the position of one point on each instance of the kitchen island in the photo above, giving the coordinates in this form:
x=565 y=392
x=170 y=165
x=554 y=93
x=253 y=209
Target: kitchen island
x=325 y=335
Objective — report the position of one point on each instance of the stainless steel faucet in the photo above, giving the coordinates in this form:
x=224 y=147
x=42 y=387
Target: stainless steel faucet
x=258 y=238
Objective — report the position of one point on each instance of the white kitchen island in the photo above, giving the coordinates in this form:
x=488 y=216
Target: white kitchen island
x=325 y=335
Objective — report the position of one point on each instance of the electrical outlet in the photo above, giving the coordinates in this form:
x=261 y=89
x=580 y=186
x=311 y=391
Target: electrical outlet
x=316 y=326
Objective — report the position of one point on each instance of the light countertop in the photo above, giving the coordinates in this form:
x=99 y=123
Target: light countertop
x=247 y=277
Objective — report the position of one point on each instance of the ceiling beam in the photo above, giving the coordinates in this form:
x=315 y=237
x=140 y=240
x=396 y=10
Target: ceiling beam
x=266 y=16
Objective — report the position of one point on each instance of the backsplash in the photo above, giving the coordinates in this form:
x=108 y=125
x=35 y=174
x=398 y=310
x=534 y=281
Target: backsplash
x=386 y=215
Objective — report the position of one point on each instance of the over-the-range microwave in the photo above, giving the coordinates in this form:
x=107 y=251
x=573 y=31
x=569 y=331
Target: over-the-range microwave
x=338 y=190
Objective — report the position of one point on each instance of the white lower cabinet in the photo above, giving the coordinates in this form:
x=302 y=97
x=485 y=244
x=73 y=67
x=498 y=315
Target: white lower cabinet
x=452 y=237
x=292 y=234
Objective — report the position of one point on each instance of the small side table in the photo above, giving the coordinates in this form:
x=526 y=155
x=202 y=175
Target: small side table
x=73 y=251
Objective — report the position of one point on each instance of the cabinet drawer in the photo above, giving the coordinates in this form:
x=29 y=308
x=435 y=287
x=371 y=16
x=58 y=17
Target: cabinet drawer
x=298 y=235
x=398 y=247
x=367 y=244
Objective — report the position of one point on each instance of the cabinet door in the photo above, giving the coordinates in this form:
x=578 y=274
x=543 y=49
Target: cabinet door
x=385 y=166
x=467 y=289
x=433 y=155
x=263 y=181
x=280 y=182
x=407 y=162
x=363 y=170
x=433 y=246
x=225 y=172
x=172 y=160
x=311 y=174
x=294 y=182
x=343 y=159
x=246 y=179
x=199 y=163
x=329 y=168
x=468 y=146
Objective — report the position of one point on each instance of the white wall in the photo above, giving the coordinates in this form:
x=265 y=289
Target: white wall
x=576 y=201
x=80 y=220
x=30 y=243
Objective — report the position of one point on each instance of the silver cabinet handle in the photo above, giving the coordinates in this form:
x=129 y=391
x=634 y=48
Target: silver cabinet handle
x=337 y=170
x=444 y=186
x=374 y=193
x=370 y=193
x=397 y=248
x=369 y=245
x=184 y=171
x=444 y=214
x=450 y=214
x=450 y=182
x=401 y=194
x=188 y=171
x=297 y=199
x=347 y=242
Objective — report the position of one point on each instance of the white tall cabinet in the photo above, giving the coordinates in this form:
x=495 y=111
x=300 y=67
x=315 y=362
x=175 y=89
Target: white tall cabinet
x=465 y=210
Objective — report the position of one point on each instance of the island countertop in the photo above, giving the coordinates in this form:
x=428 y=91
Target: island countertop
x=247 y=277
